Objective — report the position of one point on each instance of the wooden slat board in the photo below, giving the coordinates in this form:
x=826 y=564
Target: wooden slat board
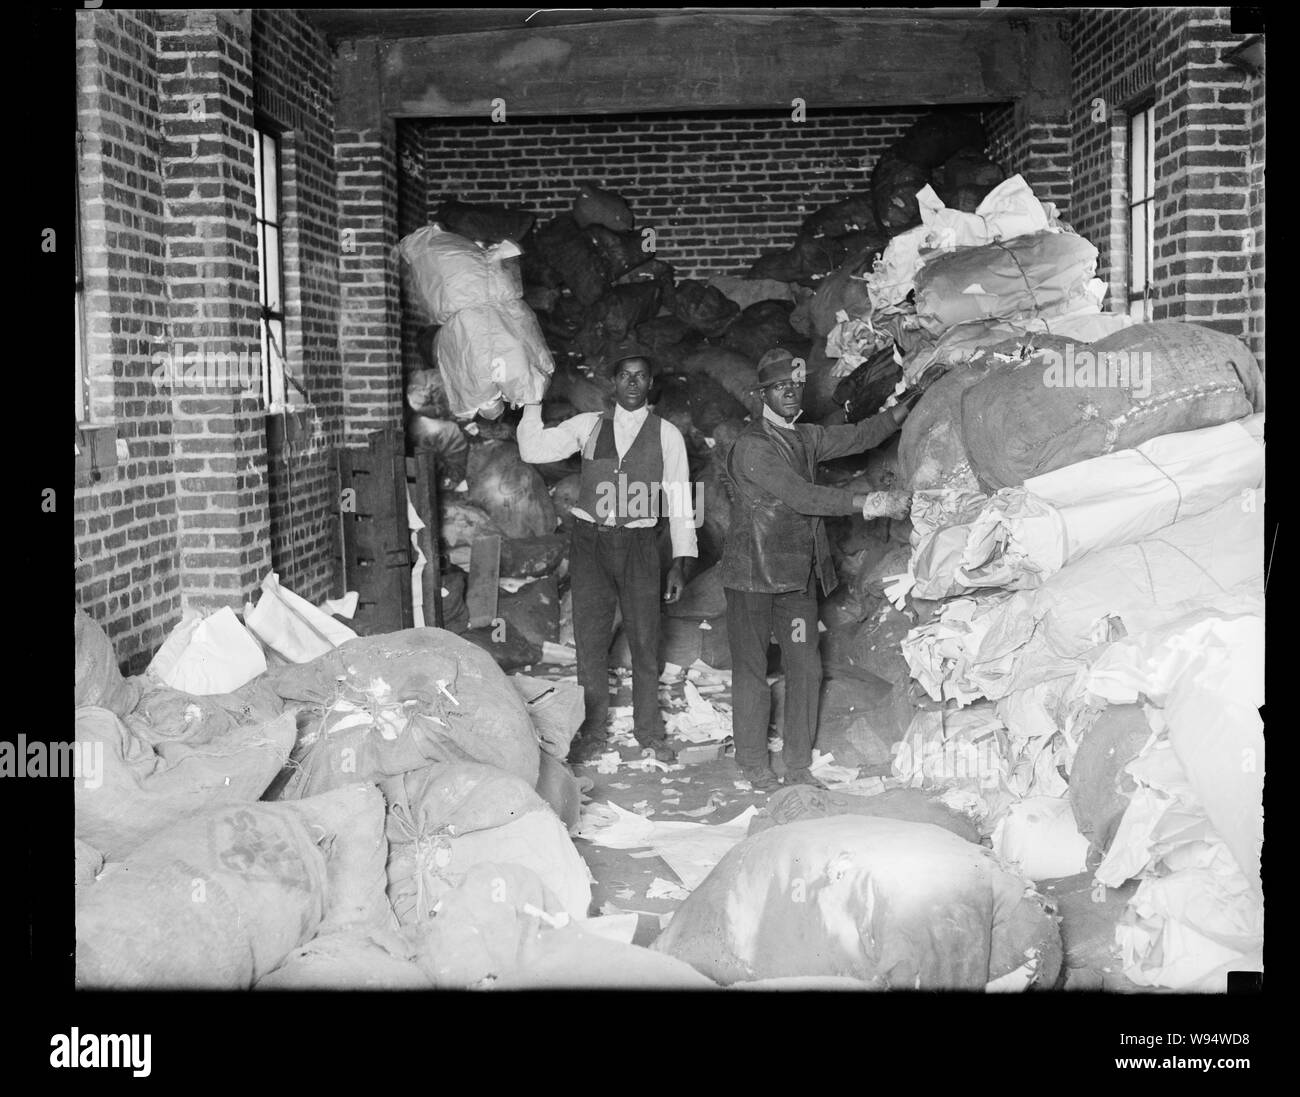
x=484 y=575
x=345 y=525
x=376 y=550
x=722 y=61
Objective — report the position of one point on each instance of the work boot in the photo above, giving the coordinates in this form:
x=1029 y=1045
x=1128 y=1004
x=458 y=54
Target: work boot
x=761 y=778
x=662 y=750
x=586 y=748
x=802 y=777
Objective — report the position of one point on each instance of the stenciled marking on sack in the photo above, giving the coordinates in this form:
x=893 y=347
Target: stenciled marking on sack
x=259 y=847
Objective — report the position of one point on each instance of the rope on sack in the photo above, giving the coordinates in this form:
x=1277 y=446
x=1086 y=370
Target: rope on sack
x=1029 y=346
x=1024 y=277
x=1179 y=491
x=432 y=852
x=228 y=749
x=283 y=755
x=1186 y=556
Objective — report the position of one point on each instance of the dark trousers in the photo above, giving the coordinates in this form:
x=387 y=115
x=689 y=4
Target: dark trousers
x=608 y=567
x=752 y=620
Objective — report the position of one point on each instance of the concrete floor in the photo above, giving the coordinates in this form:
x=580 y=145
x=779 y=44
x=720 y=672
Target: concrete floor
x=623 y=876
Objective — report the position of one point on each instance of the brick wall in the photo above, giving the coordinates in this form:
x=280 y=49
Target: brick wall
x=1255 y=205
x=210 y=242
x=370 y=302
x=125 y=525
x=412 y=212
x=166 y=103
x=292 y=81
x=719 y=189
x=1209 y=265
x=1033 y=138
x=1039 y=150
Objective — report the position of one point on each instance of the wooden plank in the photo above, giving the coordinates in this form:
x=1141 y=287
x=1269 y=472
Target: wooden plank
x=345 y=518
x=710 y=61
x=484 y=574
x=357 y=99
x=341 y=24
x=395 y=456
x=377 y=544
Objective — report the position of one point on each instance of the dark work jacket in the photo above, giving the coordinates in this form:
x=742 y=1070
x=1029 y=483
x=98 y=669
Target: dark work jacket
x=777 y=533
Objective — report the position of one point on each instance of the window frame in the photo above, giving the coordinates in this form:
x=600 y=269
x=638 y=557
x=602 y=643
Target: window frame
x=96 y=434
x=83 y=416
x=1140 y=114
x=274 y=366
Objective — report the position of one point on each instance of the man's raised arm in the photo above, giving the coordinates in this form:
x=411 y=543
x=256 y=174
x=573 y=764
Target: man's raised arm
x=539 y=444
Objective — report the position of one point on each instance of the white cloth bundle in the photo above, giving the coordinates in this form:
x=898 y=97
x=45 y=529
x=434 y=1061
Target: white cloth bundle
x=1024 y=535
x=996 y=643
x=490 y=349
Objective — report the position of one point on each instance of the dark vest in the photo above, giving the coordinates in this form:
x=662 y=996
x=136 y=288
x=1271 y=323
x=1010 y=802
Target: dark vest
x=630 y=488
x=770 y=548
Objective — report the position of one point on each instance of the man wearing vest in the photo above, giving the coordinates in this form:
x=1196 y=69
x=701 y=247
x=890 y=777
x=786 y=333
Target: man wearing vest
x=630 y=460
x=776 y=556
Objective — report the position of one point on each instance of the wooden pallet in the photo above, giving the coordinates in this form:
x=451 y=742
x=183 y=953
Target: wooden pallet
x=375 y=544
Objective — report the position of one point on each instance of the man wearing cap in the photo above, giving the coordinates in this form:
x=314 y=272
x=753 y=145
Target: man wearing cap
x=777 y=556
x=634 y=470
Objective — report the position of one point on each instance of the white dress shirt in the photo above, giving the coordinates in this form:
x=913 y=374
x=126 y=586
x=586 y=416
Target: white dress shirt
x=539 y=445
x=780 y=420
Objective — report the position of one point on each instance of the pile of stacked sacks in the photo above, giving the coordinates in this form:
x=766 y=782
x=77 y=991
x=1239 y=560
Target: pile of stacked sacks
x=1086 y=575
x=394 y=813
x=381 y=817
x=598 y=293
x=1076 y=603
x=558 y=303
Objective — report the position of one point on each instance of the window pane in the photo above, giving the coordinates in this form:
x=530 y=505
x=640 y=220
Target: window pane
x=1137 y=157
x=77 y=301
x=81 y=392
x=275 y=329
x=271 y=265
x=266 y=365
x=1137 y=244
x=276 y=339
x=261 y=267
x=270 y=176
x=76 y=250
x=1140 y=310
x=1151 y=240
x=1150 y=113
x=257 y=174
x=269 y=258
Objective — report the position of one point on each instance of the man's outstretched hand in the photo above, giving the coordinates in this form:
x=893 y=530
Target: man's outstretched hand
x=884 y=504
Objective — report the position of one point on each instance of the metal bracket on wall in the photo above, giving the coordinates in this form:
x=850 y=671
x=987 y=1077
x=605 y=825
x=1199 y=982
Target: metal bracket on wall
x=96 y=451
